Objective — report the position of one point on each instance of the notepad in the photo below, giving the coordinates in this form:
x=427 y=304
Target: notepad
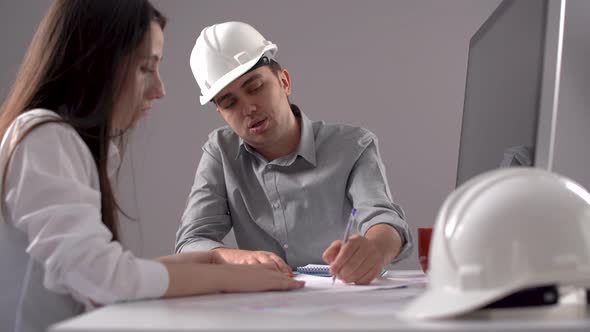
x=315 y=269
x=321 y=270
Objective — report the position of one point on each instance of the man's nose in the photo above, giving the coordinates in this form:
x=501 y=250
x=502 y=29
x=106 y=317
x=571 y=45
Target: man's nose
x=249 y=107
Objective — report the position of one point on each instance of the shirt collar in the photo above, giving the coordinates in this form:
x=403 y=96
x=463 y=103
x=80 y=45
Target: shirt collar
x=306 y=147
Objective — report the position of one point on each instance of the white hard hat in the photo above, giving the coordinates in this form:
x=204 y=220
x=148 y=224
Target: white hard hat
x=501 y=232
x=224 y=52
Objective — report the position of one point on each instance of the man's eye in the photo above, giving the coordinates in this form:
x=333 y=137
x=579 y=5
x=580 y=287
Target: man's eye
x=227 y=104
x=255 y=87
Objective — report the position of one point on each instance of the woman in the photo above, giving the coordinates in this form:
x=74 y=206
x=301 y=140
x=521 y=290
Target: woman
x=91 y=72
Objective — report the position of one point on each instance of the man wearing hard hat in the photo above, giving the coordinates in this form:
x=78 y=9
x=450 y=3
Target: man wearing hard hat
x=285 y=184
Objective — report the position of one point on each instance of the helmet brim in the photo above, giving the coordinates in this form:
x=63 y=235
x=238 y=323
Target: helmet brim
x=441 y=304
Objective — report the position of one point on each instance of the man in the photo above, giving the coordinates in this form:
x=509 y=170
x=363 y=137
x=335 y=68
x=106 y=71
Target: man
x=285 y=184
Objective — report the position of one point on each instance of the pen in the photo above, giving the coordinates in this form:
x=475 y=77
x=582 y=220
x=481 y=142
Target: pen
x=346 y=233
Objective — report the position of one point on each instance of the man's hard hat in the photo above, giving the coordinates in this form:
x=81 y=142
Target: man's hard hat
x=223 y=52
x=501 y=232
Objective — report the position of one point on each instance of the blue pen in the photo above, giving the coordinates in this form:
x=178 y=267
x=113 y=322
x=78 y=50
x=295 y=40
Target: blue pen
x=346 y=233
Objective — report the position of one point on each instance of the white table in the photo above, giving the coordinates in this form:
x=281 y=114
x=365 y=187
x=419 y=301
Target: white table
x=283 y=311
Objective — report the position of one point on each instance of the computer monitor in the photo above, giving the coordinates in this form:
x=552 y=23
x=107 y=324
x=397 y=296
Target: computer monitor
x=511 y=89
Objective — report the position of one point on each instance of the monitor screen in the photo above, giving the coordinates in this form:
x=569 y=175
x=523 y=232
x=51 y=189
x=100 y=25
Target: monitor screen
x=503 y=89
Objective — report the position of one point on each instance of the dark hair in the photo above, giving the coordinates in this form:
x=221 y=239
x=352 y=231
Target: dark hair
x=275 y=67
x=73 y=67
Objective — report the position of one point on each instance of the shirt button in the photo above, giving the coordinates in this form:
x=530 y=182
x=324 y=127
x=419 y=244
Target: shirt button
x=285 y=246
x=276 y=205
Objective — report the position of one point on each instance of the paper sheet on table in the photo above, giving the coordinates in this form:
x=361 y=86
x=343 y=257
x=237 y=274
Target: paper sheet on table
x=324 y=284
x=382 y=296
x=367 y=303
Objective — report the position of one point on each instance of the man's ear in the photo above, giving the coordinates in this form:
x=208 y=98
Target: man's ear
x=285 y=79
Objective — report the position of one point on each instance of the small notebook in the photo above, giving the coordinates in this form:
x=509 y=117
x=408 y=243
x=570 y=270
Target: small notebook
x=315 y=269
x=321 y=270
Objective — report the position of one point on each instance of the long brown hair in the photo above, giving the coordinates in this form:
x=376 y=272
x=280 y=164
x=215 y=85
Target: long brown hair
x=71 y=68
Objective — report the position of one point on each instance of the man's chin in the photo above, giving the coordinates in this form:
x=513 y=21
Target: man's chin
x=256 y=142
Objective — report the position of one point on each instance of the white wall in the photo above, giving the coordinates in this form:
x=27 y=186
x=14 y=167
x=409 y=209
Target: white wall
x=572 y=136
x=395 y=67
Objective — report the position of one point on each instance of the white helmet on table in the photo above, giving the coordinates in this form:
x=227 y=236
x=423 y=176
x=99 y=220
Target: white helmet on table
x=501 y=232
x=223 y=52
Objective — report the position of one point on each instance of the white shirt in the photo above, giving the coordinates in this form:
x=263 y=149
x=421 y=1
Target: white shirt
x=52 y=212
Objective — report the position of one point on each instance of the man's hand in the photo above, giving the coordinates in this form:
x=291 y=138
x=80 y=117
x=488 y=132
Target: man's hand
x=357 y=261
x=362 y=258
x=237 y=256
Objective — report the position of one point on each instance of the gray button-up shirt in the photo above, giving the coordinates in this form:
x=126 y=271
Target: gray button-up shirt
x=296 y=205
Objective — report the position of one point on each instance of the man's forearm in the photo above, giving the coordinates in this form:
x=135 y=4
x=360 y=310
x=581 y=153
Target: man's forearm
x=387 y=240
x=194 y=243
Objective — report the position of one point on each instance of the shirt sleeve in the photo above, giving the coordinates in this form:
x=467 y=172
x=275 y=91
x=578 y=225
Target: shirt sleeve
x=52 y=196
x=368 y=189
x=206 y=219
